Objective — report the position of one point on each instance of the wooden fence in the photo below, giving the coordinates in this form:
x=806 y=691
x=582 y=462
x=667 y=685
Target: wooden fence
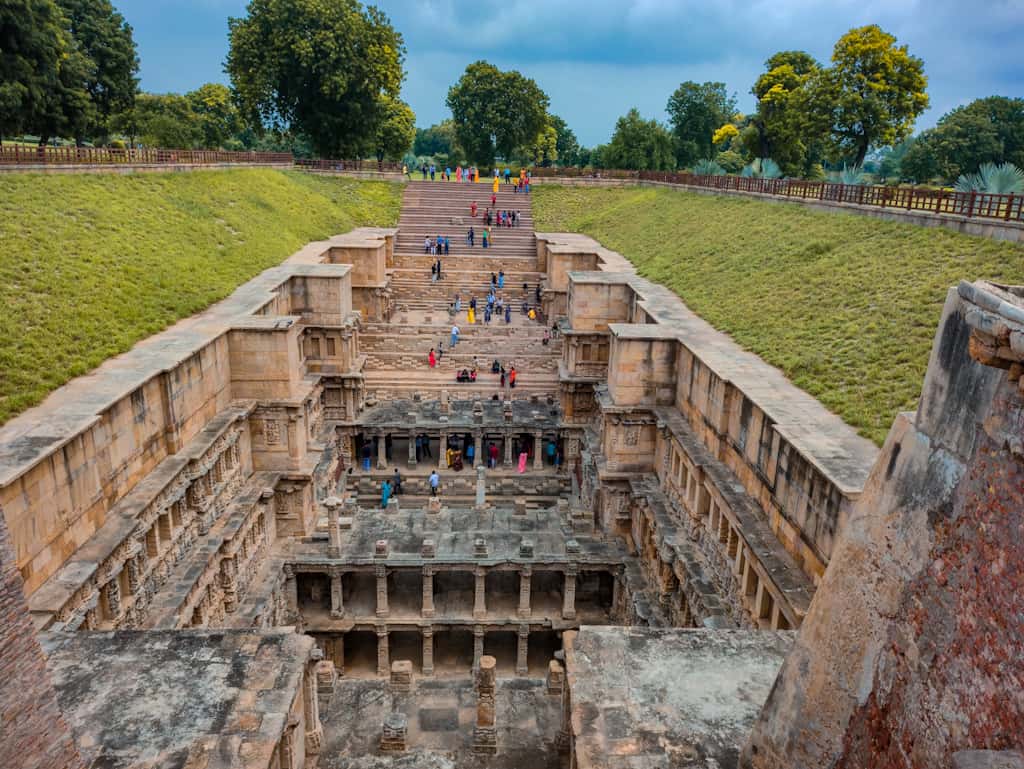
x=982 y=205
x=348 y=165
x=21 y=155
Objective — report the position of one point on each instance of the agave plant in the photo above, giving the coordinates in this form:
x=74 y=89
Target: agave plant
x=1000 y=179
x=762 y=168
x=707 y=168
x=851 y=174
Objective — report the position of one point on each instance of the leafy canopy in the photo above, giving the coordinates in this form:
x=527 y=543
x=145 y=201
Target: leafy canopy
x=317 y=68
x=696 y=111
x=396 y=130
x=871 y=94
x=778 y=128
x=105 y=39
x=495 y=112
x=638 y=144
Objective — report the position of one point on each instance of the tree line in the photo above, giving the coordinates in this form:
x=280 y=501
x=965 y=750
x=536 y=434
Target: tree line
x=312 y=78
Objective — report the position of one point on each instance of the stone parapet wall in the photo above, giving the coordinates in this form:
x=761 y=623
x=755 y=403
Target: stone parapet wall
x=34 y=734
x=912 y=649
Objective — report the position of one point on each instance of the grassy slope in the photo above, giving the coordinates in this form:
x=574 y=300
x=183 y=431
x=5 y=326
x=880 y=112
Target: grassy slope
x=90 y=264
x=846 y=305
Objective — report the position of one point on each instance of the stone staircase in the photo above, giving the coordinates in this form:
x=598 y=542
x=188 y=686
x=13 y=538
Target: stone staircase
x=396 y=351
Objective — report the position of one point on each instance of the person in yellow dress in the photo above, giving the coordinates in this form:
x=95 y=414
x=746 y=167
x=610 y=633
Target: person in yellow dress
x=495 y=185
x=472 y=316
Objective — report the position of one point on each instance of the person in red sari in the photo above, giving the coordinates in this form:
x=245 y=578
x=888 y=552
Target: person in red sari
x=472 y=209
x=431 y=358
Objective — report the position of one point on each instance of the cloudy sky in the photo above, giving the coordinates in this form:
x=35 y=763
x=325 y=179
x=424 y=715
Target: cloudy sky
x=598 y=58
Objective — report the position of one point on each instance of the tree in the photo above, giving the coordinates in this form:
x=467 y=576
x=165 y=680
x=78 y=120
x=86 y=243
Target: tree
x=495 y=112
x=543 y=151
x=778 y=129
x=162 y=120
x=316 y=68
x=396 y=130
x=437 y=140
x=989 y=130
x=567 y=145
x=66 y=109
x=638 y=144
x=920 y=163
x=696 y=111
x=870 y=96
x=215 y=113
x=33 y=38
x=105 y=38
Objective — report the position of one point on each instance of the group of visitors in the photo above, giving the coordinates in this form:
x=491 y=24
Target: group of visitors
x=436 y=246
x=472 y=174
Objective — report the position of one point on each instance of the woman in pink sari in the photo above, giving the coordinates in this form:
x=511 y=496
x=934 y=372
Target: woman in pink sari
x=523 y=456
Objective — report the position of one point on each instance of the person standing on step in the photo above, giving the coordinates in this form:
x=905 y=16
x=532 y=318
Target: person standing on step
x=455 y=336
x=367 y=454
x=472 y=209
x=426 y=244
x=431 y=358
x=494 y=281
x=501 y=279
x=492 y=454
x=433 y=272
x=426 y=447
x=396 y=483
x=487 y=314
x=487 y=234
x=494 y=187
x=433 y=168
x=512 y=377
x=458 y=304
x=447 y=174
x=440 y=352
x=419 y=447
x=385 y=495
x=471 y=236
x=439 y=269
x=435 y=481
x=494 y=198
x=447 y=245
x=508 y=175
x=508 y=313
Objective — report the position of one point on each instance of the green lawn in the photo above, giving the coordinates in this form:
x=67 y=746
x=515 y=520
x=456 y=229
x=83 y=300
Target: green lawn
x=846 y=305
x=92 y=263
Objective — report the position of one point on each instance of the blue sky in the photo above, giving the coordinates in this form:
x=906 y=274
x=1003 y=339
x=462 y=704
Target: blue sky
x=597 y=59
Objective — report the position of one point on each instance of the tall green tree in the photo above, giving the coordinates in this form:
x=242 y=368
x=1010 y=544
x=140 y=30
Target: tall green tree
x=437 y=140
x=778 y=129
x=989 y=130
x=567 y=145
x=33 y=38
x=164 y=120
x=67 y=110
x=316 y=68
x=871 y=94
x=105 y=38
x=215 y=113
x=495 y=112
x=696 y=111
x=640 y=145
x=396 y=130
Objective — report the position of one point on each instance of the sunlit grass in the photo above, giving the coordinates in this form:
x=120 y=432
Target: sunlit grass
x=847 y=306
x=92 y=263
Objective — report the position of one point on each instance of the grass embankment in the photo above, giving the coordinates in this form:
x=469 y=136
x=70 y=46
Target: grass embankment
x=845 y=305
x=90 y=264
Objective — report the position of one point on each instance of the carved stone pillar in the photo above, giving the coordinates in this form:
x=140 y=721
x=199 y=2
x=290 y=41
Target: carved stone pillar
x=229 y=583
x=617 y=596
x=538 y=450
x=508 y=449
x=522 y=650
x=337 y=595
x=382 y=591
x=478 y=645
x=383 y=656
x=291 y=594
x=485 y=732
x=294 y=448
x=478 y=449
x=569 y=594
x=412 y=449
x=333 y=505
x=442 y=448
x=428 y=651
x=428 y=591
x=382 y=452
x=524 y=610
x=112 y=595
x=479 y=594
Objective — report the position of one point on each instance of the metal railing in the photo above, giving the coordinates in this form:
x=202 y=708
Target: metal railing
x=982 y=205
x=16 y=154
